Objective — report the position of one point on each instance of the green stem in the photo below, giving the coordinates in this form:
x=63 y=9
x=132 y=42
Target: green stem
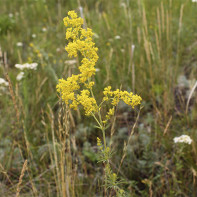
x=100 y=126
x=104 y=141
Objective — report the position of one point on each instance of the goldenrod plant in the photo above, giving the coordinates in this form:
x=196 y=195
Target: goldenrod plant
x=77 y=90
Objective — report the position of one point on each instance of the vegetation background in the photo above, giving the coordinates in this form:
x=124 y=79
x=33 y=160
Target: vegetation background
x=145 y=46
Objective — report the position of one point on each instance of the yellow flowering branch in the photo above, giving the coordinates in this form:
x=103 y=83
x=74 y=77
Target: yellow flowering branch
x=77 y=90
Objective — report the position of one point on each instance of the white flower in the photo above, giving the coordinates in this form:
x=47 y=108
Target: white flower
x=3 y=82
x=33 y=35
x=97 y=69
x=10 y=15
x=19 y=44
x=117 y=37
x=96 y=35
x=2 y=89
x=194 y=0
x=123 y=5
x=32 y=66
x=44 y=29
x=58 y=49
x=20 y=66
x=183 y=139
x=20 y=76
x=70 y=62
x=132 y=48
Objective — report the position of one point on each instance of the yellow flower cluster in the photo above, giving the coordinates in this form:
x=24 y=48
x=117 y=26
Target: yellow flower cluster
x=89 y=103
x=117 y=95
x=72 y=90
x=110 y=113
x=80 y=41
x=99 y=143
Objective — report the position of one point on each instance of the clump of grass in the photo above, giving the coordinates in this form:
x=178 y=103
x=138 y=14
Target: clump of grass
x=21 y=178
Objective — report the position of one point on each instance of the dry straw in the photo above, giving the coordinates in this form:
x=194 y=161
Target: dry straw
x=21 y=178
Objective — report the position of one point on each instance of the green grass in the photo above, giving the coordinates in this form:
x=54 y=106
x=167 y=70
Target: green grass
x=59 y=144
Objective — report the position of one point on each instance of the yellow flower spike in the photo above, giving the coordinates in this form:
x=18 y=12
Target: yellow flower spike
x=99 y=143
x=72 y=14
x=110 y=113
x=77 y=89
x=128 y=98
x=114 y=177
x=88 y=103
x=80 y=41
x=31 y=44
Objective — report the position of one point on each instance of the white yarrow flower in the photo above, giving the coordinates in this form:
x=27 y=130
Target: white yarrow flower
x=117 y=37
x=20 y=66
x=20 y=76
x=58 y=50
x=19 y=44
x=44 y=29
x=183 y=139
x=70 y=62
x=97 y=69
x=132 y=48
x=3 y=82
x=32 y=66
x=95 y=35
x=10 y=15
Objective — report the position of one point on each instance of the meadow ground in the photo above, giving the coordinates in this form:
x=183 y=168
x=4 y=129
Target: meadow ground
x=148 y=47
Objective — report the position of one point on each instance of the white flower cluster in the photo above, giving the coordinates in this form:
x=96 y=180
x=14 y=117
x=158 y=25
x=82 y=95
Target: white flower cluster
x=183 y=139
x=3 y=82
x=70 y=62
x=32 y=66
x=20 y=76
x=194 y=0
x=19 y=44
x=3 y=85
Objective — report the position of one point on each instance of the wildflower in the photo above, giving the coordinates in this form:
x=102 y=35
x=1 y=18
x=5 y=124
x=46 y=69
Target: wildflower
x=117 y=95
x=32 y=66
x=20 y=66
x=80 y=41
x=89 y=103
x=31 y=44
x=99 y=143
x=123 y=5
x=132 y=48
x=20 y=76
x=96 y=35
x=97 y=69
x=70 y=62
x=3 y=82
x=117 y=37
x=58 y=50
x=183 y=139
x=110 y=113
x=10 y=15
x=194 y=1
x=19 y=44
x=33 y=35
x=44 y=29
